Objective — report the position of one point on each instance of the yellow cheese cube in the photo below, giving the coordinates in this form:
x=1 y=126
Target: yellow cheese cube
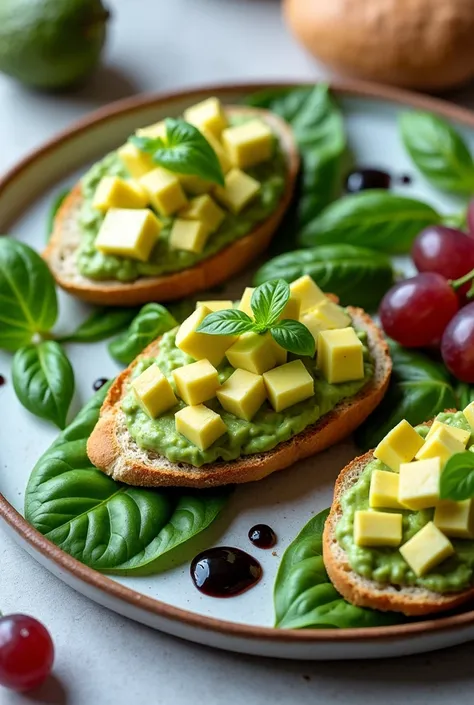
x=252 y=352
x=441 y=444
x=136 y=162
x=189 y=235
x=459 y=433
x=205 y=209
x=469 y=414
x=329 y=316
x=292 y=309
x=308 y=292
x=383 y=491
x=201 y=345
x=194 y=185
x=207 y=115
x=400 y=445
x=288 y=384
x=242 y=394
x=113 y=192
x=216 y=305
x=200 y=425
x=340 y=355
x=164 y=191
x=153 y=392
x=239 y=190
x=419 y=483
x=221 y=154
x=197 y=382
x=426 y=549
x=157 y=129
x=312 y=323
x=248 y=144
x=244 y=304
x=455 y=519
x=128 y=233
x=377 y=528
x=281 y=354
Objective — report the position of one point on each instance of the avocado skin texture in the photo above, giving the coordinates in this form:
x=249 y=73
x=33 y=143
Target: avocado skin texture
x=51 y=44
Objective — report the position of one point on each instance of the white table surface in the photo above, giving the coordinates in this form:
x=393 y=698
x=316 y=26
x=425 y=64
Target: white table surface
x=103 y=658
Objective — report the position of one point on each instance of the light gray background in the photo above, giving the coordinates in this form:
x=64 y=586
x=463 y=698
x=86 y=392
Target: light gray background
x=102 y=658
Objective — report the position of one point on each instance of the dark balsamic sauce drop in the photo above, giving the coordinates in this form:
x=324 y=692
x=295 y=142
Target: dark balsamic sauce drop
x=2 y=380
x=262 y=536
x=99 y=383
x=363 y=179
x=405 y=179
x=224 y=571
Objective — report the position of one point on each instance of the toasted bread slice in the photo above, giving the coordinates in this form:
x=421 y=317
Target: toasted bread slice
x=112 y=449
x=412 y=601
x=60 y=254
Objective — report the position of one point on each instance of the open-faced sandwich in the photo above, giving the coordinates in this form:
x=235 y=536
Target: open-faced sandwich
x=180 y=207
x=234 y=394
x=390 y=541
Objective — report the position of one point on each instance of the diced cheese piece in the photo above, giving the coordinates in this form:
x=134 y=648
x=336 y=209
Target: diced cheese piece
x=194 y=185
x=239 y=190
x=253 y=352
x=441 y=444
x=330 y=316
x=221 y=154
x=455 y=519
x=157 y=129
x=113 y=192
x=205 y=209
x=189 y=235
x=383 y=493
x=459 y=433
x=153 y=392
x=216 y=305
x=400 y=445
x=469 y=414
x=197 y=382
x=244 y=304
x=340 y=355
x=201 y=345
x=207 y=115
x=164 y=191
x=242 y=394
x=281 y=354
x=312 y=322
x=308 y=292
x=200 y=425
x=292 y=309
x=128 y=233
x=136 y=162
x=419 y=483
x=426 y=549
x=248 y=144
x=288 y=384
x=377 y=528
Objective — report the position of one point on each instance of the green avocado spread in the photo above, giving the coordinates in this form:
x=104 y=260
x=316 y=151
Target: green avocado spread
x=267 y=429
x=385 y=564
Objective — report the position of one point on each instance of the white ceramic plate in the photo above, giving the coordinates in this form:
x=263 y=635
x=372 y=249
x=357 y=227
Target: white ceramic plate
x=285 y=500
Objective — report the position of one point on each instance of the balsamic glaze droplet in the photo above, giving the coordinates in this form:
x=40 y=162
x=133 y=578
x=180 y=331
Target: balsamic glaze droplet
x=2 y=380
x=224 y=571
x=363 y=179
x=262 y=536
x=99 y=383
x=405 y=179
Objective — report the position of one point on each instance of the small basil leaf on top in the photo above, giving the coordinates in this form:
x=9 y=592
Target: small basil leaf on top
x=228 y=322
x=457 y=478
x=294 y=337
x=268 y=302
x=101 y=324
x=152 y=320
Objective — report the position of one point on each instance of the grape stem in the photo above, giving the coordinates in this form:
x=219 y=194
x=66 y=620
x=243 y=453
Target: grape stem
x=458 y=283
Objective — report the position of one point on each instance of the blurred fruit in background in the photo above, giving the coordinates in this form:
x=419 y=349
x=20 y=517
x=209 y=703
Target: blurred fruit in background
x=51 y=44
x=426 y=44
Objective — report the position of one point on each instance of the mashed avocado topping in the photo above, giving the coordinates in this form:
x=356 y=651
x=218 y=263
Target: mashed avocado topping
x=386 y=564
x=267 y=429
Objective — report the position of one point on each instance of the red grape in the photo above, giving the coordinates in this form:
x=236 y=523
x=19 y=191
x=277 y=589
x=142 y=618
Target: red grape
x=457 y=345
x=26 y=652
x=416 y=311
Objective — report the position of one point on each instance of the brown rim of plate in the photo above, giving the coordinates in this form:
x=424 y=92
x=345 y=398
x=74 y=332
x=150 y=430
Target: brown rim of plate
x=99 y=581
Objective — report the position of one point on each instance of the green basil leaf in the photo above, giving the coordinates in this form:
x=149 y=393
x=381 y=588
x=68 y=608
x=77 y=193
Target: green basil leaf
x=28 y=302
x=104 y=524
x=385 y=221
x=457 y=478
x=294 y=337
x=439 y=151
x=464 y=394
x=43 y=380
x=268 y=302
x=358 y=276
x=101 y=324
x=419 y=390
x=55 y=206
x=152 y=320
x=227 y=322
x=304 y=596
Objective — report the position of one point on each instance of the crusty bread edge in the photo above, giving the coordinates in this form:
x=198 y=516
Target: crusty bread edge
x=211 y=272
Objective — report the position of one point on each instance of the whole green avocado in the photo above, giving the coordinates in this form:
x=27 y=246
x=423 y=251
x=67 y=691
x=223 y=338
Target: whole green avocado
x=51 y=44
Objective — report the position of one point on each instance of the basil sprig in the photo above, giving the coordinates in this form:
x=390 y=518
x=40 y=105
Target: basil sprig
x=457 y=478
x=268 y=302
x=184 y=151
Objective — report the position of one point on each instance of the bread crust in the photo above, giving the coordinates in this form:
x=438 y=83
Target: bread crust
x=60 y=252
x=411 y=601
x=111 y=449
